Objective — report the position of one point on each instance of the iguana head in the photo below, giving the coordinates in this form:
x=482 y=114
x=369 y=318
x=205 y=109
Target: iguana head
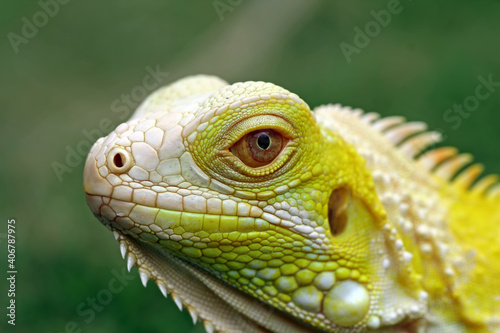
x=241 y=182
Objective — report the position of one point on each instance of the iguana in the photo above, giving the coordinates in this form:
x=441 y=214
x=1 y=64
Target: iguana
x=258 y=215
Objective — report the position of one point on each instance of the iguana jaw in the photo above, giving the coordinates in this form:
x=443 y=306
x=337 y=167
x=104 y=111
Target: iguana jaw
x=220 y=307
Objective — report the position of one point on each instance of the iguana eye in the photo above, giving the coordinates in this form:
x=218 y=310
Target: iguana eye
x=259 y=148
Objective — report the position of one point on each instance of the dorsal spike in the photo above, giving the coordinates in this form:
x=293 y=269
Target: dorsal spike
x=401 y=132
x=130 y=261
x=434 y=157
x=370 y=117
x=163 y=287
x=193 y=313
x=484 y=184
x=177 y=301
x=494 y=191
x=449 y=168
x=123 y=249
x=209 y=327
x=144 y=276
x=357 y=112
x=384 y=124
x=415 y=145
x=468 y=176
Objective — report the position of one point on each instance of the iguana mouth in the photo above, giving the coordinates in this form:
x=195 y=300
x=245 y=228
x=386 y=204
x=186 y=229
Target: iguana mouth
x=153 y=223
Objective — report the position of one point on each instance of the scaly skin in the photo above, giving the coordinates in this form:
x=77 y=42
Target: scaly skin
x=340 y=229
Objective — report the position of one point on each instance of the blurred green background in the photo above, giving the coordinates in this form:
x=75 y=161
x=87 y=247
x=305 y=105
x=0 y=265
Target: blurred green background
x=64 y=78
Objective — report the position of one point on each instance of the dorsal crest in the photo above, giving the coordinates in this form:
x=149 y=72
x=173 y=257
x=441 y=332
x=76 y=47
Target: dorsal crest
x=415 y=141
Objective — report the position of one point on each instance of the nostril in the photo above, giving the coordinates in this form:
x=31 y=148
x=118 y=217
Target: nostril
x=119 y=160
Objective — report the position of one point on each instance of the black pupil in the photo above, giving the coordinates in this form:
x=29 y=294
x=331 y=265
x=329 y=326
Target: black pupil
x=263 y=141
x=118 y=160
